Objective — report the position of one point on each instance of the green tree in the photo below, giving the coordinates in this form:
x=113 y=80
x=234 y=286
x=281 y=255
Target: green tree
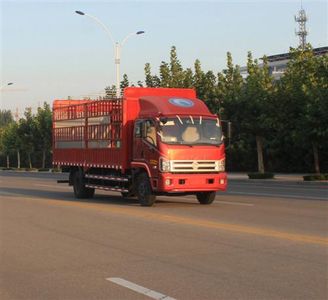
x=304 y=101
x=3 y=149
x=230 y=85
x=43 y=126
x=11 y=142
x=258 y=91
x=199 y=79
x=5 y=120
x=188 y=78
x=247 y=104
x=124 y=82
x=151 y=80
x=176 y=70
x=171 y=75
x=27 y=134
x=165 y=75
x=210 y=91
x=5 y=117
x=229 y=105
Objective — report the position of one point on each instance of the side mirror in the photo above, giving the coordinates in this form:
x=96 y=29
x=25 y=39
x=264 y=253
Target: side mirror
x=227 y=132
x=227 y=128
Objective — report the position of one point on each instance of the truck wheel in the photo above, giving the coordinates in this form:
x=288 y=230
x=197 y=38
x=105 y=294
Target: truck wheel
x=144 y=192
x=205 y=197
x=80 y=191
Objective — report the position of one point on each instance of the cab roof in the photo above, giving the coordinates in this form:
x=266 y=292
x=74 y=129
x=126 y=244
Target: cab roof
x=167 y=101
x=168 y=105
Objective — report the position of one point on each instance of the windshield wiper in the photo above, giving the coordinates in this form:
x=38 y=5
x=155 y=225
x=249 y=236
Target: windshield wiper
x=210 y=144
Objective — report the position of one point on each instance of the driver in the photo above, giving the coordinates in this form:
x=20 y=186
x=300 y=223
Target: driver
x=190 y=134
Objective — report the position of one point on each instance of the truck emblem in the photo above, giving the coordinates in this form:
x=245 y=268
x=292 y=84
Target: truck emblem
x=182 y=102
x=195 y=165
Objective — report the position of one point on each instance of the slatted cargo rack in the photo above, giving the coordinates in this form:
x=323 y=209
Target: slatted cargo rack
x=88 y=133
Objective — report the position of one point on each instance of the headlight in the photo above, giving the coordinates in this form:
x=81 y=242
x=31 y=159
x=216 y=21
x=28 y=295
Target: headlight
x=164 y=165
x=220 y=165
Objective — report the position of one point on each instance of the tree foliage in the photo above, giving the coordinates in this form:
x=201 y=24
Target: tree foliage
x=125 y=82
x=5 y=117
x=11 y=142
x=43 y=128
x=304 y=102
x=30 y=138
x=267 y=115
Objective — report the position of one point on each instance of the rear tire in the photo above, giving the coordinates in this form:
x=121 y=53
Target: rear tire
x=80 y=191
x=205 y=197
x=144 y=191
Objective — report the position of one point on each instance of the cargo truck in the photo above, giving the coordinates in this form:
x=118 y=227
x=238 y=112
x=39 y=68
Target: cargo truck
x=152 y=141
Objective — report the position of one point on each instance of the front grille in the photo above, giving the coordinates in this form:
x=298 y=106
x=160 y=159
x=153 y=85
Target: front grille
x=195 y=166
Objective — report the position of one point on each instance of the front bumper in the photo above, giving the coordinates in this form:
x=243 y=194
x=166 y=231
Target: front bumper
x=168 y=182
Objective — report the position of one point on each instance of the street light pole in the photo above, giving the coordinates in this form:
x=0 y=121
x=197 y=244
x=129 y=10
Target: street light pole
x=6 y=84
x=118 y=64
x=117 y=47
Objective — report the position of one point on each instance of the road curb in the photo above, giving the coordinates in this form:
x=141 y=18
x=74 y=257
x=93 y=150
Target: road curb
x=278 y=177
x=277 y=181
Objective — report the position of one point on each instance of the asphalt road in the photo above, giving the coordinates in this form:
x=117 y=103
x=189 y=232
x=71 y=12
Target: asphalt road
x=260 y=240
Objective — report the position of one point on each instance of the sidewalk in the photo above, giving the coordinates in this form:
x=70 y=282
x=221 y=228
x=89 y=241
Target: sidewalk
x=277 y=178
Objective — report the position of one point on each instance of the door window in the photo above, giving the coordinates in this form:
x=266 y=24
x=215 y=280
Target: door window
x=150 y=132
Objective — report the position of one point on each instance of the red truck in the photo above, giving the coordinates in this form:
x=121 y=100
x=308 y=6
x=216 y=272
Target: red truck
x=152 y=141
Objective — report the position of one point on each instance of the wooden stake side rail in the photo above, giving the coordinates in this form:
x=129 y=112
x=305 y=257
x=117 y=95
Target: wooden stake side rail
x=87 y=109
x=89 y=134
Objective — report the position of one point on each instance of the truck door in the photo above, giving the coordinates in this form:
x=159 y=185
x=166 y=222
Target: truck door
x=137 y=143
x=145 y=144
x=149 y=146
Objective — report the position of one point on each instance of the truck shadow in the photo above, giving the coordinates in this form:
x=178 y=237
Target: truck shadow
x=108 y=199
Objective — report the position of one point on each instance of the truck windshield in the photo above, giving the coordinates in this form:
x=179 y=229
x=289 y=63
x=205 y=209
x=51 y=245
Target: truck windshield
x=190 y=131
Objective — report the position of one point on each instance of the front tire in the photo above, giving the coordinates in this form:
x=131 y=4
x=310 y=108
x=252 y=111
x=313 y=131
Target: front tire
x=205 y=197
x=80 y=191
x=144 y=191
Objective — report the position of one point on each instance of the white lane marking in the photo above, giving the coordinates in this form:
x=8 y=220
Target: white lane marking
x=234 y=203
x=139 y=289
x=277 y=195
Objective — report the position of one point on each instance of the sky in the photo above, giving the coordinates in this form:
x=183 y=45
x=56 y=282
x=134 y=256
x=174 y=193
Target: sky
x=49 y=52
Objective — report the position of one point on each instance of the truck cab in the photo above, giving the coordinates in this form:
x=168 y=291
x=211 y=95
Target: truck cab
x=180 y=145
